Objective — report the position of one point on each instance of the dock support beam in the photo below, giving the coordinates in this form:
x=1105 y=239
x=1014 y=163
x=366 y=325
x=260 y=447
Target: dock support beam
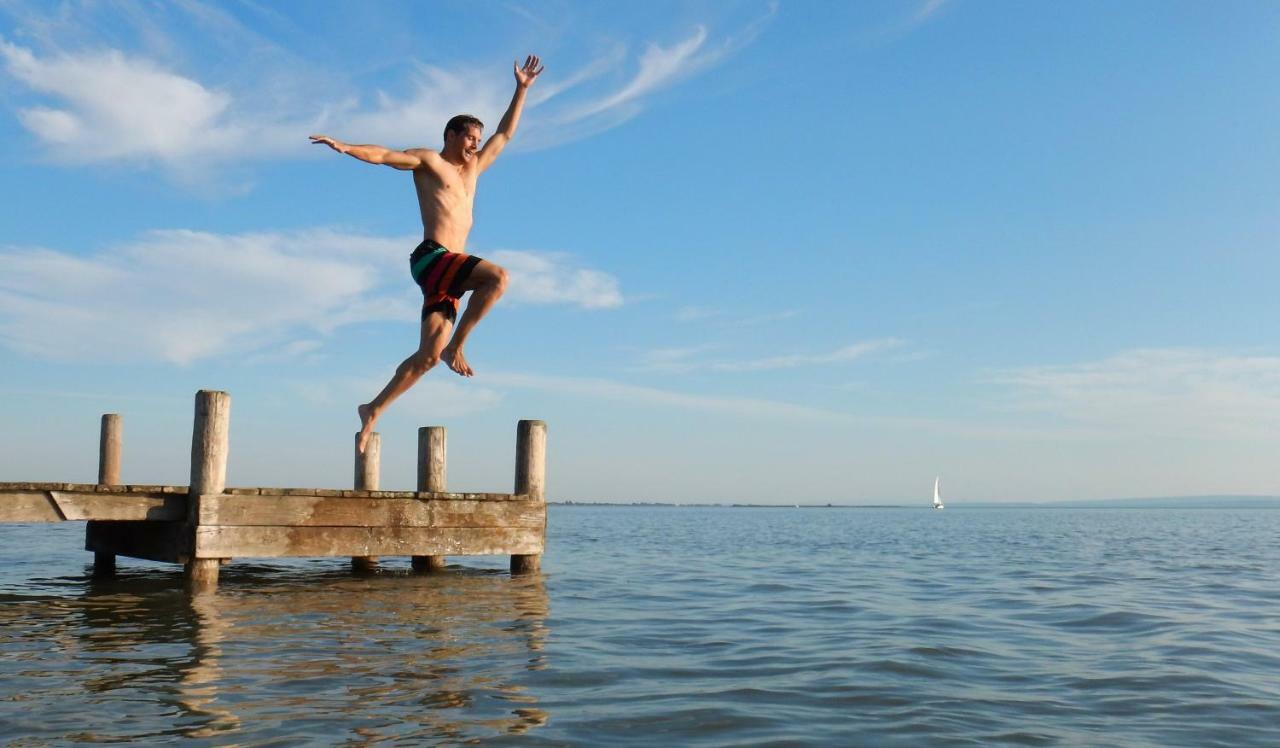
x=432 y=476
x=531 y=479
x=368 y=470
x=110 y=443
x=210 y=442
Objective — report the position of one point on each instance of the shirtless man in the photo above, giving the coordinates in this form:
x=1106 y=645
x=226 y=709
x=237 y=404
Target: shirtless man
x=446 y=186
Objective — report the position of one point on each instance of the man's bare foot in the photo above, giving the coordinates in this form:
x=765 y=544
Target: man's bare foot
x=454 y=359
x=367 y=419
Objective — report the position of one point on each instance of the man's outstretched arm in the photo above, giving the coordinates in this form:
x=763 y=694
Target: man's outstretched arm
x=507 y=127
x=373 y=154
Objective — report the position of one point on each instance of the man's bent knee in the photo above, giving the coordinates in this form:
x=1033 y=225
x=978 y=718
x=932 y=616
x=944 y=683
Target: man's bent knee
x=421 y=362
x=499 y=279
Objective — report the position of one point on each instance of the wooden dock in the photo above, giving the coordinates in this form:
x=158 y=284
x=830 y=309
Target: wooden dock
x=206 y=524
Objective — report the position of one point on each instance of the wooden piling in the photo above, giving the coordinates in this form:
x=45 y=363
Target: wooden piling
x=109 y=447
x=432 y=476
x=109 y=450
x=531 y=480
x=368 y=468
x=210 y=443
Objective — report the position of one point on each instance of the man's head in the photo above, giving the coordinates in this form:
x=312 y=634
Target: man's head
x=462 y=136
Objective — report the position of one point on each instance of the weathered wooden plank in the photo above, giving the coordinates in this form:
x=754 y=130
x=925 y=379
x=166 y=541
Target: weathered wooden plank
x=55 y=506
x=93 y=487
x=461 y=513
x=122 y=506
x=40 y=502
x=249 y=542
x=328 y=511
x=28 y=506
x=23 y=486
x=154 y=541
x=138 y=488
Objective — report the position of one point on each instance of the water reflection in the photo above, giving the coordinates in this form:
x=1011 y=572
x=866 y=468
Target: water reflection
x=283 y=653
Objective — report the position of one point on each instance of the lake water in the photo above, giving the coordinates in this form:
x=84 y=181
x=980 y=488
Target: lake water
x=677 y=626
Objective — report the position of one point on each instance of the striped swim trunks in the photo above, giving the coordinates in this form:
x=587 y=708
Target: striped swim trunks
x=440 y=274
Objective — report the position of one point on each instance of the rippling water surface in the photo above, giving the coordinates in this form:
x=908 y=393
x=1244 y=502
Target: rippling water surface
x=681 y=626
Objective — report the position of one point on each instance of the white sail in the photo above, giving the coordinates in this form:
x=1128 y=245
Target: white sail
x=937 y=496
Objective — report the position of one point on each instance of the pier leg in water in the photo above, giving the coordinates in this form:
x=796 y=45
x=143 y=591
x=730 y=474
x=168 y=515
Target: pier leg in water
x=531 y=480
x=526 y=563
x=367 y=478
x=104 y=564
x=428 y=563
x=209 y=448
x=110 y=445
x=202 y=573
x=432 y=476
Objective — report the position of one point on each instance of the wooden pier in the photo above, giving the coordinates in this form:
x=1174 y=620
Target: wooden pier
x=206 y=524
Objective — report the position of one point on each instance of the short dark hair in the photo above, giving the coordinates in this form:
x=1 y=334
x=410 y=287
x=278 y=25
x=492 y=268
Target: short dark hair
x=460 y=123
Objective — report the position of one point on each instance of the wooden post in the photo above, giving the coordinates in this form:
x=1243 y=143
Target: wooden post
x=432 y=476
x=109 y=450
x=368 y=465
x=209 y=447
x=531 y=479
x=109 y=445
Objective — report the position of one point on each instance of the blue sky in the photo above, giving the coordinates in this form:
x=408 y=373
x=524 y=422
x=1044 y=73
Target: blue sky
x=760 y=251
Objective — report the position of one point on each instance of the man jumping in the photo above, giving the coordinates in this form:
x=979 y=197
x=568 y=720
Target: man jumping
x=446 y=187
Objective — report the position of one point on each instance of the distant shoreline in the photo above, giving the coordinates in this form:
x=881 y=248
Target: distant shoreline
x=1171 y=502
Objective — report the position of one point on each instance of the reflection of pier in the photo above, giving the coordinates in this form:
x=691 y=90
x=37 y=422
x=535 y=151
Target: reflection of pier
x=314 y=657
x=206 y=524
x=423 y=657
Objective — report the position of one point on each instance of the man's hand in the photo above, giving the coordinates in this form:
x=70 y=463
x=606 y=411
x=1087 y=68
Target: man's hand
x=525 y=75
x=336 y=145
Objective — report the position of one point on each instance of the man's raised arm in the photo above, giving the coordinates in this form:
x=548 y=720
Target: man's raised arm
x=507 y=127
x=373 y=154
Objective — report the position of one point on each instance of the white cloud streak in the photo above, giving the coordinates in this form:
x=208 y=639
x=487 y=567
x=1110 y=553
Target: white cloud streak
x=551 y=278
x=110 y=105
x=928 y=9
x=683 y=360
x=604 y=389
x=1167 y=392
x=181 y=296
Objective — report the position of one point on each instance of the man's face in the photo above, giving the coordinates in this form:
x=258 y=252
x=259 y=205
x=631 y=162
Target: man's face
x=467 y=141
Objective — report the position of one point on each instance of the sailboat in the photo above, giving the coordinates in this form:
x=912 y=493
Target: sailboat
x=937 y=497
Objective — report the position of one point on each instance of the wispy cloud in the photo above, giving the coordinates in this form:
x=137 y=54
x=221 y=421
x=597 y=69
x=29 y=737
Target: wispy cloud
x=682 y=360
x=658 y=67
x=181 y=296
x=1179 y=392
x=106 y=103
x=117 y=107
x=605 y=389
x=552 y=278
x=723 y=318
x=112 y=107
x=928 y=10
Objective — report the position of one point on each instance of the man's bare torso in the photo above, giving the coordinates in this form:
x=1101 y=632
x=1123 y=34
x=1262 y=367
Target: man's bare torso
x=446 y=194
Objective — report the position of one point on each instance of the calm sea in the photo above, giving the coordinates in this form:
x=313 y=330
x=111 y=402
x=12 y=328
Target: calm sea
x=678 y=626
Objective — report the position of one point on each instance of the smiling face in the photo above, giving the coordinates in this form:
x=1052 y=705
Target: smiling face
x=462 y=137
x=464 y=144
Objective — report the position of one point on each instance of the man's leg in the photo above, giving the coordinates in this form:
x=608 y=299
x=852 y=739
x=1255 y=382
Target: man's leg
x=486 y=283
x=435 y=331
